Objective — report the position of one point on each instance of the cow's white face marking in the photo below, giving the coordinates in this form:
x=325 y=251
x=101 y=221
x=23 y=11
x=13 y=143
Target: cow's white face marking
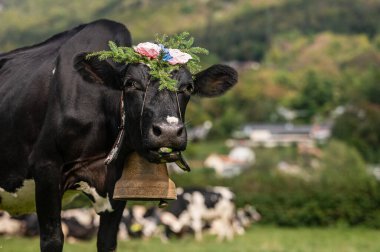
x=172 y=120
x=101 y=204
x=53 y=72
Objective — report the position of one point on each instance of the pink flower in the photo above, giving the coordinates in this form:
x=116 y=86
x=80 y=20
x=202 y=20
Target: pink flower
x=148 y=49
x=178 y=57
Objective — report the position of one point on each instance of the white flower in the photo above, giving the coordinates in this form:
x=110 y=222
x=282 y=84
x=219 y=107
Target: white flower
x=178 y=57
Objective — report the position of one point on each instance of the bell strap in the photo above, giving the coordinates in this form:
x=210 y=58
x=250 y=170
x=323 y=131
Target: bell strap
x=112 y=155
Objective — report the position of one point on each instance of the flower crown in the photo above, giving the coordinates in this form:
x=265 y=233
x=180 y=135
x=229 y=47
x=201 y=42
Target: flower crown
x=162 y=57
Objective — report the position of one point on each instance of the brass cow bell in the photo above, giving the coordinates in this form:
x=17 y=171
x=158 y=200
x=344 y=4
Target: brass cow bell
x=142 y=180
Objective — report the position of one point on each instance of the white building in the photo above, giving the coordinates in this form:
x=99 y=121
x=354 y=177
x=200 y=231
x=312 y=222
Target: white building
x=273 y=135
x=239 y=159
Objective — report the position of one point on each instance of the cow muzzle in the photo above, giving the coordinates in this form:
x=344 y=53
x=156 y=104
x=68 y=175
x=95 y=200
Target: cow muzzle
x=167 y=135
x=165 y=142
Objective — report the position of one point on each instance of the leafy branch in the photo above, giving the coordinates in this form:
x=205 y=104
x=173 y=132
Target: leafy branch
x=159 y=69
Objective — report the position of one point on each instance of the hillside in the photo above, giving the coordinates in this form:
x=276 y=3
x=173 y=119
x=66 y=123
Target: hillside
x=231 y=29
x=26 y=22
x=310 y=56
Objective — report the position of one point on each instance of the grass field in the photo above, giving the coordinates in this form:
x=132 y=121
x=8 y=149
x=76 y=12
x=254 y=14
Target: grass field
x=259 y=238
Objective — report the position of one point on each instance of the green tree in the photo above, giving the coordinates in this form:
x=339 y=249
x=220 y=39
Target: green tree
x=316 y=96
x=359 y=126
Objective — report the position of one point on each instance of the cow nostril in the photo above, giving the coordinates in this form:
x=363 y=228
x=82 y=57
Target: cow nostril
x=156 y=130
x=180 y=131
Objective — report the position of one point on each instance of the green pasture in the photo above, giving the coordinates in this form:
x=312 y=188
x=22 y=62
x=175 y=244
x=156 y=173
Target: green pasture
x=258 y=238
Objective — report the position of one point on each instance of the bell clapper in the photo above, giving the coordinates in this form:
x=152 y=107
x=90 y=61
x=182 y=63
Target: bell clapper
x=163 y=203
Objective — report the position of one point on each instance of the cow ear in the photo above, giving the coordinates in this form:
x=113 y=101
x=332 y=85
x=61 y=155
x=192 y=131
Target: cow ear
x=215 y=80
x=94 y=70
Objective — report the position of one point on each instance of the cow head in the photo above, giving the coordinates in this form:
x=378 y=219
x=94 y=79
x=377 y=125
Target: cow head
x=155 y=119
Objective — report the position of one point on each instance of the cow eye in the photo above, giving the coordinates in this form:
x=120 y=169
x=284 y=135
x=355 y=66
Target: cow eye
x=130 y=83
x=188 y=89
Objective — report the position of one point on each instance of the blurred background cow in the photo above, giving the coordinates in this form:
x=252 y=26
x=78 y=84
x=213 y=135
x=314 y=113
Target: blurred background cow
x=197 y=211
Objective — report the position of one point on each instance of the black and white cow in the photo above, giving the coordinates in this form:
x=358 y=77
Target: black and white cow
x=139 y=222
x=245 y=217
x=60 y=116
x=79 y=224
x=199 y=208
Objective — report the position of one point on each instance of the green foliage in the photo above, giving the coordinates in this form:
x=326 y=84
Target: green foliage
x=359 y=126
x=159 y=69
x=371 y=89
x=200 y=150
x=315 y=97
x=249 y=35
x=342 y=165
x=184 y=42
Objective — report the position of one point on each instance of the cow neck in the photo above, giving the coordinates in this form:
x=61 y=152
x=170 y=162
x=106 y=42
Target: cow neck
x=113 y=154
